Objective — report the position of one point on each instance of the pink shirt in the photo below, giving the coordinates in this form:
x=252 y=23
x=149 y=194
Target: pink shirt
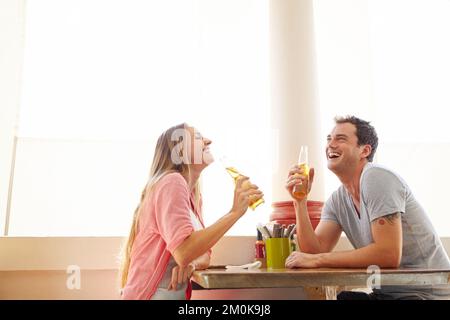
x=164 y=223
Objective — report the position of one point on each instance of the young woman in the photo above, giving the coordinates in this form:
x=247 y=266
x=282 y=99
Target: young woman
x=168 y=239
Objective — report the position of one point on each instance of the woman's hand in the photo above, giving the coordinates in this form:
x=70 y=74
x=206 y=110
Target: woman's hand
x=297 y=176
x=244 y=194
x=302 y=260
x=181 y=275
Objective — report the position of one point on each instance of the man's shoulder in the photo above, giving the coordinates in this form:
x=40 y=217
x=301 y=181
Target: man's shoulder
x=380 y=180
x=374 y=171
x=337 y=196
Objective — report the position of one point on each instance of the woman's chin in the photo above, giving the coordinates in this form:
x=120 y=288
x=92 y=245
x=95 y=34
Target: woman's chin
x=208 y=158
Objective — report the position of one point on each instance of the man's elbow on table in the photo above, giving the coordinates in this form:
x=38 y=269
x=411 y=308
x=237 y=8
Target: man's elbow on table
x=390 y=258
x=383 y=255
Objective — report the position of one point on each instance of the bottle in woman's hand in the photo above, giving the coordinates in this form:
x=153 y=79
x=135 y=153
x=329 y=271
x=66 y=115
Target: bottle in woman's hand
x=245 y=193
x=253 y=202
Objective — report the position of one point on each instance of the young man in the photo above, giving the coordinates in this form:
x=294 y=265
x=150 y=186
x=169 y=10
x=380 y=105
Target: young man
x=377 y=211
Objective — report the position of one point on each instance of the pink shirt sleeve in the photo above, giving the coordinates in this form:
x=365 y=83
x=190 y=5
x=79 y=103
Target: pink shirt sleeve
x=172 y=210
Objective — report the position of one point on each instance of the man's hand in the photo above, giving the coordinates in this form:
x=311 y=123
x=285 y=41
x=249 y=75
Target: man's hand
x=302 y=260
x=181 y=275
x=297 y=176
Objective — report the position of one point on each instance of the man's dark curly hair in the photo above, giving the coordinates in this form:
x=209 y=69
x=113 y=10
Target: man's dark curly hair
x=364 y=131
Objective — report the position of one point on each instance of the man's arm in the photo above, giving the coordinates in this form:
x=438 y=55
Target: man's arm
x=327 y=233
x=323 y=239
x=385 y=251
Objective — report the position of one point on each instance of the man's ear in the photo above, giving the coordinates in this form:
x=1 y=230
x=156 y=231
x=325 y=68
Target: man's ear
x=366 y=151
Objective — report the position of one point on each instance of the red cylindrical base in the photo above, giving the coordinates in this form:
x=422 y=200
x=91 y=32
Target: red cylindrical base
x=284 y=212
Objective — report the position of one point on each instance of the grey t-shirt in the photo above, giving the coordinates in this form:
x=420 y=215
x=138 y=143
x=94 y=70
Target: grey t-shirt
x=383 y=192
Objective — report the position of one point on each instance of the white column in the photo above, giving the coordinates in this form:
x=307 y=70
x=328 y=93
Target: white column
x=11 y=53
x=294 y=105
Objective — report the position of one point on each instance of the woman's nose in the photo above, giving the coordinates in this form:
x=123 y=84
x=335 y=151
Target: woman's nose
x=206 y=141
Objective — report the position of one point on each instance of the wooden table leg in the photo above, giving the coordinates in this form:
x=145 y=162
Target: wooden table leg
x=315 y=293
x=331 y=292
x=321 y=293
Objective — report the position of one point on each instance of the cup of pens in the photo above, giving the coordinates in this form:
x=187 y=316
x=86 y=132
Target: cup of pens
x=278 y=245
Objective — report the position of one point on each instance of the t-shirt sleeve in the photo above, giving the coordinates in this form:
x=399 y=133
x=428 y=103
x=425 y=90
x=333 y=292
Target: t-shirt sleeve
x=172 y=211
x=329 y=211
x=383 y=193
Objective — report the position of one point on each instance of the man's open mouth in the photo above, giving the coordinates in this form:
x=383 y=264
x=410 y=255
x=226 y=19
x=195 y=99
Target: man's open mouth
x=333 y=155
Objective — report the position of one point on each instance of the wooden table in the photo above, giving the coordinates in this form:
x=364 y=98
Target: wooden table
x=317 y=283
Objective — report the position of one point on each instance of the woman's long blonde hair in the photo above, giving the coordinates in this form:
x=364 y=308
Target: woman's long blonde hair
x=162 y=164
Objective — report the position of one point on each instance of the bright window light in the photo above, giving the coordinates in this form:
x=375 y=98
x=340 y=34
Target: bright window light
x=387 y=61
x=103 y=79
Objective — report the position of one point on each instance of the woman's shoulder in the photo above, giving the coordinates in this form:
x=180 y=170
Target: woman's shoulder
x=172 y=179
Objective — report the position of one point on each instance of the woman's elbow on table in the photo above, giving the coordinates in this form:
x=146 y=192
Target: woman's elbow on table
x=182 y=256
x=187 y=252
x=202 y=262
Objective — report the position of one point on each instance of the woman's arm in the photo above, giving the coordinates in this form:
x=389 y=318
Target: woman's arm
x=202 y=262
x=202 y=240
x=182 y=274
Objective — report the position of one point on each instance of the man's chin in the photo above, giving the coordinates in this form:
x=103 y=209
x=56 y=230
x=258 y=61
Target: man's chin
x=331 y=166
